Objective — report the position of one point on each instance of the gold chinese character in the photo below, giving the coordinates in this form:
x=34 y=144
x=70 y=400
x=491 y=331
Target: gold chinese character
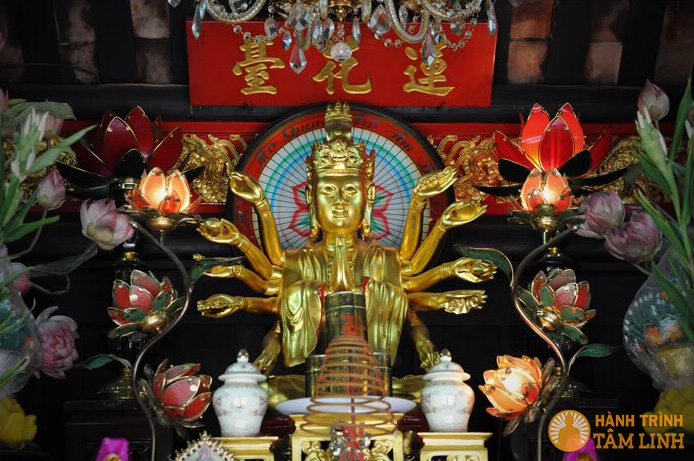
x=433 y=74
x=328 y=73
x=255 y=67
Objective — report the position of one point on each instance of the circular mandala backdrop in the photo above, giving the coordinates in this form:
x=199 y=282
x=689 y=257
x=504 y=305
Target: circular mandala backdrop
x=278 y=161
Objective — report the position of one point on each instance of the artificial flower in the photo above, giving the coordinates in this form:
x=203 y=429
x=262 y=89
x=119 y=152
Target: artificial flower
x=603 y=211
x=177 y=396
x=559 y=291
x=102 y=223
x=51 y=191
x=141 y=306
x=53 y=126
x=164 y=193
x=518 y=388
x=57 y=335
x=653 y=100
x=542 y=188
x=637 y=241
x=16 y=427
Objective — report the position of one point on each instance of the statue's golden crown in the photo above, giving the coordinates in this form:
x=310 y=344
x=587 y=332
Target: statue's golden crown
x=339 y=155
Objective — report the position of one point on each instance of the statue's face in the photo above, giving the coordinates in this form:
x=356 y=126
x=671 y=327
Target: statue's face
x=340 y=203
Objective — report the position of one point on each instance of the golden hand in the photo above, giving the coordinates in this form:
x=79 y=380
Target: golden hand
x=218 y=306
x=460 y=213
x=246 y=188
x=428 y=355
x=473 y=270
x=434 y=183
x=272 y=346
x=461 y=301
x=220 y=231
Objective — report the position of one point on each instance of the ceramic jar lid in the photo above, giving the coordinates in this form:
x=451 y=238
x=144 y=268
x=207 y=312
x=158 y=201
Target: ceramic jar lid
x=242 y=370
x=446 y=369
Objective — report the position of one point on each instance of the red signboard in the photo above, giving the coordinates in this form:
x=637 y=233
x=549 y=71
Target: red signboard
x=225 y=70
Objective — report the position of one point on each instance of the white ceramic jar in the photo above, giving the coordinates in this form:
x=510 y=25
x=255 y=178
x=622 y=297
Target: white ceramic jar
x=240 y=403
x=446 y=400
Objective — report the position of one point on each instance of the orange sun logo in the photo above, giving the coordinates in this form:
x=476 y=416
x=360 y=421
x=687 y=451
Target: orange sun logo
x=569 y=430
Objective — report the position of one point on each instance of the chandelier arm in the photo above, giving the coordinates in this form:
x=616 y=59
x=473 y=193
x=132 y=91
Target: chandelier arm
x=441 y=14
x=218 y=12
x=400 y=29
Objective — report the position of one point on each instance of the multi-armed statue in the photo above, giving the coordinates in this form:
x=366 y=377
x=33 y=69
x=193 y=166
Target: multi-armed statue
x=340 y=254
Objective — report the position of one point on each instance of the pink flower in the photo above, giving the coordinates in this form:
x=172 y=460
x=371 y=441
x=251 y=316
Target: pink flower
x=102 y=223
x=57 y=335
x=636 y=242
x=51 y=194
x=653 y=100
x=21 y=283
x=604 y=211
x=53 y=126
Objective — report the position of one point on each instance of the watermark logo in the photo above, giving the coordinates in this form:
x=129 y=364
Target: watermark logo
x=569 y=430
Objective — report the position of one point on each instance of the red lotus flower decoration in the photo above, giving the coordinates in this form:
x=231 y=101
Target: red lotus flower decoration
x=118 y=152
x=177 y=395
x=549 y=144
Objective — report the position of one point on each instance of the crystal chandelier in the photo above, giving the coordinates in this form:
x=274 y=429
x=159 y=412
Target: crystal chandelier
x=321 y=23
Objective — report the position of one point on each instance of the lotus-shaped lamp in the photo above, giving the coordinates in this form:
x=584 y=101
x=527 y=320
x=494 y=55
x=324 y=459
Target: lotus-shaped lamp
x=518 y=388
x=551 y=144
x=143 y=306
x=544 y=196
x=163 y=199
x=558 y=304
x=119 y=150
x=177 y=395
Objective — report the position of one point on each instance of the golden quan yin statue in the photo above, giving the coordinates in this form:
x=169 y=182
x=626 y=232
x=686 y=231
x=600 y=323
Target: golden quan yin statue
x=340 y=254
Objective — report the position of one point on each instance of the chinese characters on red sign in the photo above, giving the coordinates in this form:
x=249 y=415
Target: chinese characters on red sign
x=225 y=70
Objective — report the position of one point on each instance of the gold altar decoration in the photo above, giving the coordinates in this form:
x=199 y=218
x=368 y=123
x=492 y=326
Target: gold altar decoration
x=310 y=446
x=219 y=156
x=244 y=448
x=454 y=446
x=340 y=195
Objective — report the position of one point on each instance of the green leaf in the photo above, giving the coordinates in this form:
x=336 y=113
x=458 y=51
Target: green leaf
x=18 y=218
x=652 y=172
x=669 y=230
x=574 y=334
x=28 y=228
x=122 y=331
x=676 y=297
x=688 y=189
x=527 y=298
x=134 y=314
x=9 y=204
x=97 y=361
x=593 y=350
x=547 y=296
x=682 y=113
x=44 y=160
x=490 y=255
x=65 y=143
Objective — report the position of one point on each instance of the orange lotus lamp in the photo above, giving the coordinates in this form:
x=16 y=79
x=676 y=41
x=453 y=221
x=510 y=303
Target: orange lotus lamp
x=165 y=199
x=545 y=196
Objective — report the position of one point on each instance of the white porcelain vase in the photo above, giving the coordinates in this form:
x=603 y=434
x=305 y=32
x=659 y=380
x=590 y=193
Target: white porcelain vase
x=446 y=400
x=240 y=404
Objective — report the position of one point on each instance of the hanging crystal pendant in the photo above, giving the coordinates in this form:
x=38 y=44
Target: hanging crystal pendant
x=302 y=38
x=270 y=28
x=356 y=30
x=174 y=3
x=428 y=50
x=457 y=27
x=297 y=60
x=323 y=8
x=328 y=28
x=237 y=6
x=198 y=16
x=341 y=52
x=492 y=23
x=365 y=10
x=299 y=17
x=380 y=21
x=403 y=14
x=316 y=31
x=436 y=36
x=286 y=40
